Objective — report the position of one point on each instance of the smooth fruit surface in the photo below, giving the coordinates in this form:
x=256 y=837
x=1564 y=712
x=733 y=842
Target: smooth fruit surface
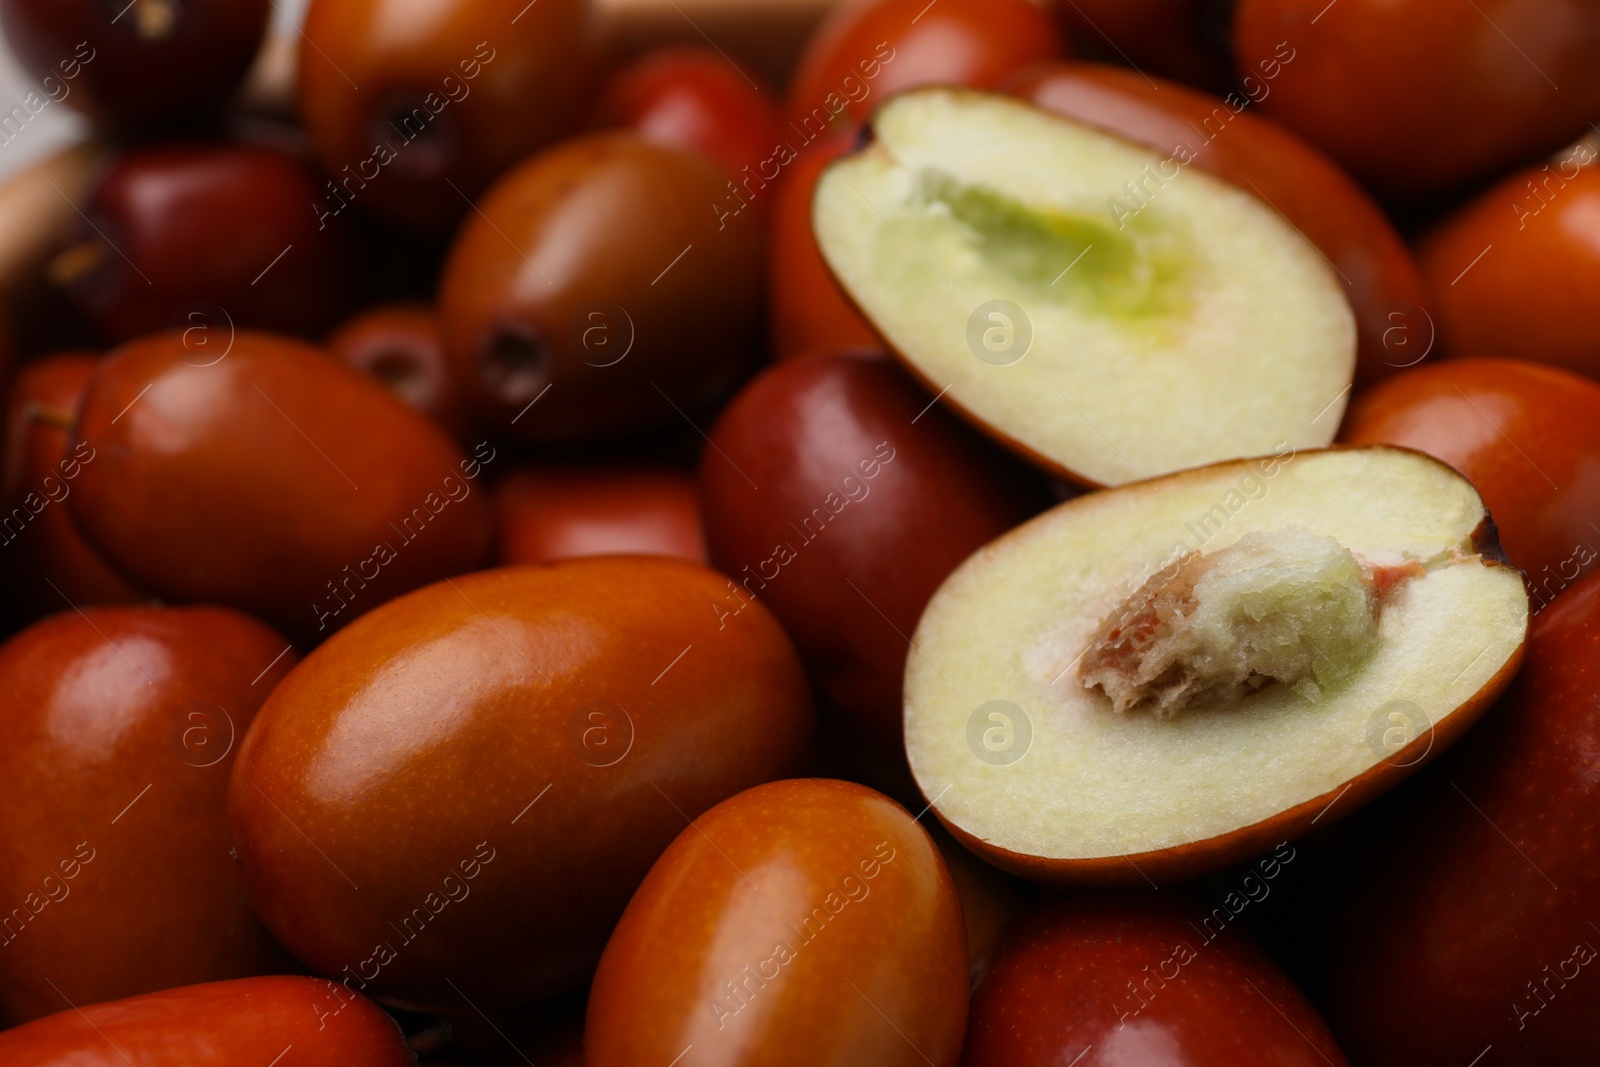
x=414 y=106
x=466 y=785
x=1031 y=765
x=1479 y=913
x=313 y=1023
x=838 y=497
x=1525 y=435
x=120 y=730
x=548 y=513
x=805 y=922
x=1515 y=271
x=402 y=347
x=998 y=250
x=1139 y=978
x=201 y=458
x=1421 y=96
x=597 y=270
x=1220 y=135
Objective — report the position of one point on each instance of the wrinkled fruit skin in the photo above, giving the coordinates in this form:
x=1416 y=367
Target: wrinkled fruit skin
x=840 y=497
x=105 y=60
x=1478 y=914
x=220 y=1024
x=805 y=923
x=189 y=237
x=120 y=730
x=1525 y=435
x=467 y=784
x=864 y=53
x=1382 y=280
x=598 y=270
x=694 y=98
x=1531 y=294
x=39 y=545
x=402 y=347
x=551 y=513
x=414 y=107
x=1422 y=96
x=272 y=479
x=1139 y=978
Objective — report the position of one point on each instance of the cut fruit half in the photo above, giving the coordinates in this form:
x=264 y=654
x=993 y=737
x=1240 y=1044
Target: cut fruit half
x=1152 y=682
x=1105 y=310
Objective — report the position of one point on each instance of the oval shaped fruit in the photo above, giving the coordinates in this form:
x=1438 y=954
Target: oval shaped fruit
x=808 y=310
x=1101 y=331
x=1525 y=435
x=839 y=495
x=598 y=270
x=1515 y=271
x=1139 y=978
x=697 y=98
x=48 y=565
x=803 y=922
x=864 y=53
x=139 y=63
x=1381 y=280
x=219 y=1024
x=1478 y=913
x=1422 y=96
x=115 y=748
x=402 y=346
x=207 y=238
x=549 y=513
x=414 y=107
x=271 y=478
x=454 y=796
x=1089 y=691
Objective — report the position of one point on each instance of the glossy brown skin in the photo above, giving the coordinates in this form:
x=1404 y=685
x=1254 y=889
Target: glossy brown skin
x=1180 y=39
x=550 y=513
x=492 y=85
x=1531 y=295
x=185 y=236
x=272 y=479
x=219 y=1024
x=412 y=752
x=575 y=255
x=862 y=53
x=901 y=504
x=1471 y=915
x=1139 y=978
x=115 y=749
x=694 y=98
x=40 y=545
x=809 y=310
x=402 y=346
x=1423 y=96
x=1222 y=136
x=825 y=903
x=126 y=63
x=1525 y=435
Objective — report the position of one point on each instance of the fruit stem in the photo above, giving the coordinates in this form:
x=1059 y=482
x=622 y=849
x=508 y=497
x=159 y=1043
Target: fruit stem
x=48 y=416
x=72 y=263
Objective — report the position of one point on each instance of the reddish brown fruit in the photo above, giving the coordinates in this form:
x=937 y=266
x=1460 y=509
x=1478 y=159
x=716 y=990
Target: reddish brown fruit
x=115 y=751
x=220 y=1024
x=1180 y=39
x=1479 y=915
x=1382 y=280
x=402 y=346
x=551 y=513
x=48 y=564
x=271 y=478
x=598 y=270
x=838 y=494
x=1515 y=271
x=808 y=922
x=1139 y=978
x=1523 y=434
x=479 y=838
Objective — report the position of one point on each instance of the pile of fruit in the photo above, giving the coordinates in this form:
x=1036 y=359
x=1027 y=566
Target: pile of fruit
x=1067 y=538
